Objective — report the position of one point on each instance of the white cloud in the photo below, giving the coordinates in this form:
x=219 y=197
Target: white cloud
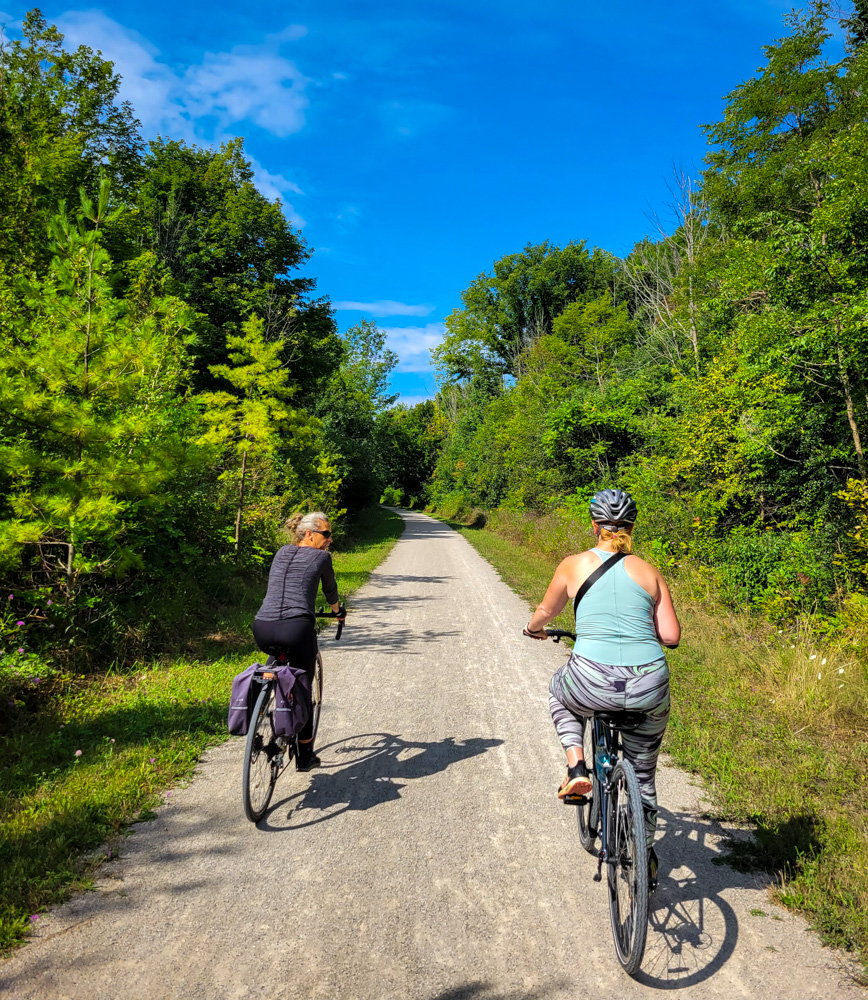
x=414 y=400
x=248 y=83
x=413 y=345
x=208 y=100
x=384 y=307
x=276 y=187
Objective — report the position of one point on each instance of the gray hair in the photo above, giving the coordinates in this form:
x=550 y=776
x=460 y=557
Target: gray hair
x=298 y=524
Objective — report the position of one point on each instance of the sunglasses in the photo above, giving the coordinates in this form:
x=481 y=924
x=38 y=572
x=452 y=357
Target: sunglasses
x=325 y=534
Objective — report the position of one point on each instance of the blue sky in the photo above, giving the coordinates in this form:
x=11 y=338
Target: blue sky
x=414 y=144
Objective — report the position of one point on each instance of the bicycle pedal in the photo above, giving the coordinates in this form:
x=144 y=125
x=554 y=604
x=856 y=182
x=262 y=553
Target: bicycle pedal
x=598 y=877
x=574 y=800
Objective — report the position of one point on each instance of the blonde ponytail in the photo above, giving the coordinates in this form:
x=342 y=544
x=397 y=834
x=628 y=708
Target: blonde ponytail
x=622 y=541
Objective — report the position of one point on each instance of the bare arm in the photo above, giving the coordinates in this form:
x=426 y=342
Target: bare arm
x=665 y=620
x=552 y=604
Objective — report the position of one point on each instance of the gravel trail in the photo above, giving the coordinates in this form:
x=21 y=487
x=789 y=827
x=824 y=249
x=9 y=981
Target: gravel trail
x=429 y=859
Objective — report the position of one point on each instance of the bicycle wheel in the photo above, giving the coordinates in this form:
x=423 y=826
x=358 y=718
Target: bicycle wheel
x=587 y=815
x=316 y=695
x=262 y=756
x=627 y=867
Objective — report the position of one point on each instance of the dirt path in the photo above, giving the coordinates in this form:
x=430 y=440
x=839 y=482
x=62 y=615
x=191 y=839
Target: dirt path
x=429 y=857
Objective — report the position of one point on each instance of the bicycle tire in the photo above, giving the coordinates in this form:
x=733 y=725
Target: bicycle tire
x=627 y=867
x=587 y=813
x=261 y=757
x=316 y=696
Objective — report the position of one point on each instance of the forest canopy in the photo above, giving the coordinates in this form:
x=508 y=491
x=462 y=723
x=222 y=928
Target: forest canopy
x=159 y=412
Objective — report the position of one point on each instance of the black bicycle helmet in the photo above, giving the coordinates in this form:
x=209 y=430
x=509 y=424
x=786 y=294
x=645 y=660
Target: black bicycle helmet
x=613 y=509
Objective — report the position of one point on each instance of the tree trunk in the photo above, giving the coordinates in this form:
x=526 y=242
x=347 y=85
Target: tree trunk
x=694 y=334
x=851 y=413
x=240 y=505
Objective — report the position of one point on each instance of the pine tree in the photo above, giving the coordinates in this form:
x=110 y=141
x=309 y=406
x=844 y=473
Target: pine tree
x=91 y=423
x=253 y=421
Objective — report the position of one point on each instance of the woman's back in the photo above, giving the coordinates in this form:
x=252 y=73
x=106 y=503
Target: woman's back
x=293 y=582
x=615 y=619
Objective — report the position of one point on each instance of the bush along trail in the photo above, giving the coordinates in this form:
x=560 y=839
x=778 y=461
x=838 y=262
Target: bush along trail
x=774 y=721
x=97 y=751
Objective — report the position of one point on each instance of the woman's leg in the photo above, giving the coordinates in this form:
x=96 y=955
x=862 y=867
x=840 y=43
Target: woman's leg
x=647 y=692
x=295 y=637
x=576 y=691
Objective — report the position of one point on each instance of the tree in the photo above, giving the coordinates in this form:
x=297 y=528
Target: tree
x=231 y=253
x=60 y=128
x=349 y=406
x=505 y=311
x=255 y=419
x=408 y=440
x=88 y=392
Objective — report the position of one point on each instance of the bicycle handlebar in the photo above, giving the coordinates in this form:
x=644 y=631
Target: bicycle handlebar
x=558 y=633
x=340 y=613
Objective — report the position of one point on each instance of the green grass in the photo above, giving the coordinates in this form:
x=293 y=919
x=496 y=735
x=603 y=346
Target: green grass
x=776 y=725
x=140 y=731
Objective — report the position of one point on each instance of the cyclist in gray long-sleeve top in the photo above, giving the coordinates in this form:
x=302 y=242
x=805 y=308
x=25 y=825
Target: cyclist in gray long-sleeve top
x=285 y=621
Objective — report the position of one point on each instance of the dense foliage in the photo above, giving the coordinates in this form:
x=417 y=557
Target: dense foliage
x=718 y=372
x=170 y=388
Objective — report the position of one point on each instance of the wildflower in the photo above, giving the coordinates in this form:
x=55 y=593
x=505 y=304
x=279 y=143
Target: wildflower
x=188 y=690
x=112 y=741
x=19 y=623
x=9 y=598
x=20 y=650
x=110 y=852
x=168 y=794
x=153 y=759
x=78 y=753
x=34 y=917
x=819 y=677
x=823 y=663
x=840 y=686
x=792 y=647
x=62 y=725
x=840 y=669
x=49 y=604
x=814 y=657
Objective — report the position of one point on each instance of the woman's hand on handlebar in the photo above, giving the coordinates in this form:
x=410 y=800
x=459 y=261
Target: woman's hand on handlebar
x=541 y=635
x=337 y=610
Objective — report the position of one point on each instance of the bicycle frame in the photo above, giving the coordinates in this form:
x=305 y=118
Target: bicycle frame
x=606 y=744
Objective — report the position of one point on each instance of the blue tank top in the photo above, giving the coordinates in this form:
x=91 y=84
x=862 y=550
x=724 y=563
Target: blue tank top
x=615 y=621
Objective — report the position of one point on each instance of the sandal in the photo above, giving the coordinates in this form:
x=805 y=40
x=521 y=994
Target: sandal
x=576 y=785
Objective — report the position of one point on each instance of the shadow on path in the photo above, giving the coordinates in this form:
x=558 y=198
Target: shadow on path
x=481 y=991
x=361 y=772
x=693 y=930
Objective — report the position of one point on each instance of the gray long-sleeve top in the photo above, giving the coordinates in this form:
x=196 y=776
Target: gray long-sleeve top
x=293 y=581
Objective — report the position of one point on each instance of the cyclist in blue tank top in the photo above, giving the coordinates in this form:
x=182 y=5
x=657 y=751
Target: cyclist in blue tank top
x=617 y=663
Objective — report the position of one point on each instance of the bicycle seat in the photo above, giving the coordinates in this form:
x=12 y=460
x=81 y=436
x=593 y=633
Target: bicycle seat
x=621 y=719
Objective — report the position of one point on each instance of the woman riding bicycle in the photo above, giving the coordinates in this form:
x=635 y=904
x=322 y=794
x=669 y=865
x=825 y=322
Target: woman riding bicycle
x=285 y=623
x=617 y=663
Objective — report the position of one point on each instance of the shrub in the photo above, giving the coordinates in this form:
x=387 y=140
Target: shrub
x=392 y=497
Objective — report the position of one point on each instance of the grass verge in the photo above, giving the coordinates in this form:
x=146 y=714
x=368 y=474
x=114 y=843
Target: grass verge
x=104 y=750
x=775 y=724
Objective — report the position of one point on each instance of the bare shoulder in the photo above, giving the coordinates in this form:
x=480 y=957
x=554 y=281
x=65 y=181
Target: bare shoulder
x=643 y=573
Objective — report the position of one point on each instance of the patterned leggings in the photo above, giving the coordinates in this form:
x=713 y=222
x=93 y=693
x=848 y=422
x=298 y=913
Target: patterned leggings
x=582 y=687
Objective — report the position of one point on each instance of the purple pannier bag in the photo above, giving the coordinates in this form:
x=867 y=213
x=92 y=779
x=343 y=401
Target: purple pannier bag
x=291 y=701
x=241 y=703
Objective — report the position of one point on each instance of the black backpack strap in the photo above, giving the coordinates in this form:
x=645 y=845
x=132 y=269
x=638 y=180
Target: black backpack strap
x=598 y=572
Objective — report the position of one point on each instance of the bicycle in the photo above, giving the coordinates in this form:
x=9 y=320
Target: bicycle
x=613 y=811
x=267 y=755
